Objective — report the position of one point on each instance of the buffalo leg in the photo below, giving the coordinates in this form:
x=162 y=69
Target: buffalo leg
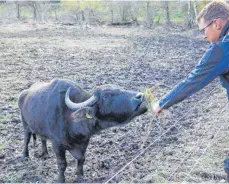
x=61 y=161
x=27 y=136
x=79 y=154
x=44 y=153
x=79 y=170
x=80 y=164
x=34 y=139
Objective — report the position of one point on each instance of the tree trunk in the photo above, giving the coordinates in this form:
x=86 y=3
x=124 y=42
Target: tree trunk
x=18 y=10
x=195 y=8
x=112 y=16
x=34 y=5
x=56 y=15
x=166 y=5
x=134 y=14
x=83 y=17
x=123 y=14
x=149 y=18
x=180 y=7
x=190 y=21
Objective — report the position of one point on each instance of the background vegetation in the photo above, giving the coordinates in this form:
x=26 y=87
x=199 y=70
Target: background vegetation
x=145 y=13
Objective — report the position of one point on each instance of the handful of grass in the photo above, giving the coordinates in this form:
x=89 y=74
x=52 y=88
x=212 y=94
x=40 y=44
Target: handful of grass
x=148 y=95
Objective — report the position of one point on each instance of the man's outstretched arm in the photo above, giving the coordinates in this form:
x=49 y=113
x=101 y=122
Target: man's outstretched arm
x=210 y=66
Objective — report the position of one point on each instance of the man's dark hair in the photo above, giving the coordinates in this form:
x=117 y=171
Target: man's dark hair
x=213 y=10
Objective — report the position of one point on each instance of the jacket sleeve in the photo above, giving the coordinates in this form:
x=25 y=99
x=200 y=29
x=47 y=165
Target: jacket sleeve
x=207 y=70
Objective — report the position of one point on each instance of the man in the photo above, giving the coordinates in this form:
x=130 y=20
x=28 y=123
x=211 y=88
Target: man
x=213 y=21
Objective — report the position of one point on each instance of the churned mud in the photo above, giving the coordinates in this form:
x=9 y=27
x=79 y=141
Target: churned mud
x=187 y=143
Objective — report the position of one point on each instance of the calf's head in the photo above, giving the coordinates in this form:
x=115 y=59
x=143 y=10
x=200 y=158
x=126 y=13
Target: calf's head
x=112 y=105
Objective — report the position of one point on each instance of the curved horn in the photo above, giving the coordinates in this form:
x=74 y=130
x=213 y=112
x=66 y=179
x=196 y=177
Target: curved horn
x=76 y=106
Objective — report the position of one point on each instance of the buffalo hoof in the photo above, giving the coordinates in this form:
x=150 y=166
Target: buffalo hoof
x=79 y=173
x=80 y=179
x=60 y=180
x=24 y=158
x=43 y=155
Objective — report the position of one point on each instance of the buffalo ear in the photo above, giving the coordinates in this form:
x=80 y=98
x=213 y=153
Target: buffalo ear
x=82 y=114
x=79 y=114
x=87 y=112
x=93 y=110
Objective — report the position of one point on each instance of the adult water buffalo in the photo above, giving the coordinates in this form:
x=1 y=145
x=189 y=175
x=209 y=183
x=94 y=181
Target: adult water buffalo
x=68 y=116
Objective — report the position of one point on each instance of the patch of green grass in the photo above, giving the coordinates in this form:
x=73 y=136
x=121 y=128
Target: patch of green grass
x=2 y=146
x=26 y=12
x=1 y=8
x=4 y=119
x=177 y=17
x=157 y=18
x=159 y=179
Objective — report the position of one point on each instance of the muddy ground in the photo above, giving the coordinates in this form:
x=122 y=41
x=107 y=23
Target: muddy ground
x=187 y=143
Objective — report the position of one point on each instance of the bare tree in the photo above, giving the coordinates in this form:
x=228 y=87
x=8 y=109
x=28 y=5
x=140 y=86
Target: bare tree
x=83 y=17
x=33 y=4
x=123 y=11
x=195 y=8
x=149 y=16
x=18 y=10
x=179 y=7
x=35 y=10
x=112 y=11
x=166 y=6
x=54 y=7
x=190 y=16
x=116 y=12
x=133 y=11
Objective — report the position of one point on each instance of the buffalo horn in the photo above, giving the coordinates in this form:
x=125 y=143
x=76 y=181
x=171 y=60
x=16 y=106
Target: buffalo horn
x=76 y=106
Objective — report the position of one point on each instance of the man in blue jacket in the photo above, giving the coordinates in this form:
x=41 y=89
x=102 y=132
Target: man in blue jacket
x=213 y=21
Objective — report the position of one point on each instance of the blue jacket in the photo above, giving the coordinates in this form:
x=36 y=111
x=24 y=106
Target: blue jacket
x=214 y=63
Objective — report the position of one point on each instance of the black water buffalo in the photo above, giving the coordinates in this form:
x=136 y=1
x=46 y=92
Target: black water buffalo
x=68 y=116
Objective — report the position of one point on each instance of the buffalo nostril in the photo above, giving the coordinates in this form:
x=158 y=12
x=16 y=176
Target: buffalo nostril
x=139 y=96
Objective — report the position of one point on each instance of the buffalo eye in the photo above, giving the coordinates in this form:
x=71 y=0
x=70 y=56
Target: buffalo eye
x=106 y=97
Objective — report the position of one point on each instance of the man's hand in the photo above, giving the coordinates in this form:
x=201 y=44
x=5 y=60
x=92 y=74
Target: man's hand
x=156 y=108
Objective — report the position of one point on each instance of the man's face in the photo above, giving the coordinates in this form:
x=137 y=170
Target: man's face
x=211 y=30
